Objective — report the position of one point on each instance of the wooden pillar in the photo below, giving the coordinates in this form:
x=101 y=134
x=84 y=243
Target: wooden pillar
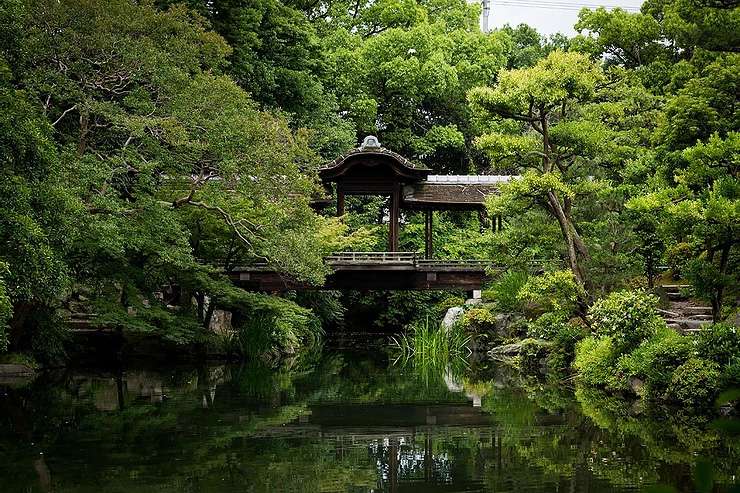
x=428 y=226
x=428 y=457
x=393 y=467
x=482 y=220
x=395 y=218
x=340 y=200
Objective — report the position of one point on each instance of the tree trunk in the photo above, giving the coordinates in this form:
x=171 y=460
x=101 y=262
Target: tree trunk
x=717 y=301
x=209 y=313
x=84 y=129
x=17 y=325
x=574 y=246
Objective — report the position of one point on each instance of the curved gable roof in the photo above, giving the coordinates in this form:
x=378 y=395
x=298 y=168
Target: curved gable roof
x=377 y=162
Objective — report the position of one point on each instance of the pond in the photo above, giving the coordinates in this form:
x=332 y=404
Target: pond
x=346 y=422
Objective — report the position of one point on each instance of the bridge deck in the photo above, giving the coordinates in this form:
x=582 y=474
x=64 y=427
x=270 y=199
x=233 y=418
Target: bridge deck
x=374 y=270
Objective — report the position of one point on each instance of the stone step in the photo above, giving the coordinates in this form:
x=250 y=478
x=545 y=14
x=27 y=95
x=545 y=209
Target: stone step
x=697 y=310
x=677 y=296
x=674 y=287
x=700 y=316
x=687 y=323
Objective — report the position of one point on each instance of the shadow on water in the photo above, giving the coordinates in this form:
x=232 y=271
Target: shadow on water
x=342 y=421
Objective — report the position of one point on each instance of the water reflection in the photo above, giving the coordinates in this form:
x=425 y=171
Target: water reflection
x=340 y=422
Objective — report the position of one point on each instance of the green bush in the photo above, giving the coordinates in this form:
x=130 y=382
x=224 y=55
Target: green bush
x=719 y=343
x=731 y=374
x=481 y=318
x=505 y=291
x=547 y=326
x=694 y=383
x=564 y=348
x=655 y=360
x=555 y=291
x=595 y=361
x=628 y=317
x=531 y=354
x=270 y=324
x=677 y=256
x=447 y=303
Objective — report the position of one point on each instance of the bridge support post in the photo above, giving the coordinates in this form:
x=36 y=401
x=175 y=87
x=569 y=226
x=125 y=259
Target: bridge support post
x=340 y=200
x=428 y=225
x=395 y=218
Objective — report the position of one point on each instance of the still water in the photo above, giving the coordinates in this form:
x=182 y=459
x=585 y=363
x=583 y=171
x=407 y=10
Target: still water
x=344 y=422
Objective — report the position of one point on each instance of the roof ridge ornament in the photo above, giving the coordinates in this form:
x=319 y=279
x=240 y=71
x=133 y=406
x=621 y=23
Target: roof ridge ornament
x=370 y=142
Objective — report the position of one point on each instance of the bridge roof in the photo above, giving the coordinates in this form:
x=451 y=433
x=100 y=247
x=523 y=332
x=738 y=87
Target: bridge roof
x=373 y=162
x=452 y=191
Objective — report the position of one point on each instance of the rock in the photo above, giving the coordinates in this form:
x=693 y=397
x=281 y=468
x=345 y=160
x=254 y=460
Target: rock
x=452 y=316
x=516 y=348
x=16 y=371
x=636 y=385
x=473 y=301
x=688 y=324
x=507 y=349
x=16 y=375
x=503 y=324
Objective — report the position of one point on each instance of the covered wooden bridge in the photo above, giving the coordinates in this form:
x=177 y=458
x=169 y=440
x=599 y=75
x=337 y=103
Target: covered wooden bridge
x=373 y=170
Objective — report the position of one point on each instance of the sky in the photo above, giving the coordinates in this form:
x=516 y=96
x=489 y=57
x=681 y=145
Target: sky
x=548 y=16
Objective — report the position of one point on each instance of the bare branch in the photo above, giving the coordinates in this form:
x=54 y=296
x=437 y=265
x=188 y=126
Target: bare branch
x=64 y=113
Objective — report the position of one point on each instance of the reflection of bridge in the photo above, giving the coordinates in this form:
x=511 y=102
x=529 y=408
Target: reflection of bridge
x=375 y=270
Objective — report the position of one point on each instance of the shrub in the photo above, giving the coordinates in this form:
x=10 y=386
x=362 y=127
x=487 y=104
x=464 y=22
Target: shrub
x=718 y=342
x=547 y=326
x=505 y=291
x=269 y=324
x=447 y=303
x=552 y=291
x=565 y=339
x=480 y=318
x=677 y=256
x=628 y=317
x=731 y=374
x=595 y=361
x=694 y=383
x=531 y=354
x=655 y=360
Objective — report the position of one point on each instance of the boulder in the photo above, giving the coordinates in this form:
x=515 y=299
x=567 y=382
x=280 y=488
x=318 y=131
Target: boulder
x=452 y=316
x=473 y=301
x=516 y=348
x=637 y=385
x=14 y=375
x=503 y=324
x=16 y=371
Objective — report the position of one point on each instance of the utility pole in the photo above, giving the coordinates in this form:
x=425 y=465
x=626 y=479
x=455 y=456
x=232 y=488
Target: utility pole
x=485 y=12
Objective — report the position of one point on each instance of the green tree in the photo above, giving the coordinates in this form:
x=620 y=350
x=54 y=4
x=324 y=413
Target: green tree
x=543 y=103
x=163 y=160
x=689 y=188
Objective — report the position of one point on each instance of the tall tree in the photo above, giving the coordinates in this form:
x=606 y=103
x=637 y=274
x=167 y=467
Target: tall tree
x=163 y=159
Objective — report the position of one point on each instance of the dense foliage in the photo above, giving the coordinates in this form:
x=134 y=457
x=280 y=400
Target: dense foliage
x=148 y=147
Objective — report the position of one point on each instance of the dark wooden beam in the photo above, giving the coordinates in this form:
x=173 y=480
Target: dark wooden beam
x=395 y=218
x=340 y=200
x=428 y=232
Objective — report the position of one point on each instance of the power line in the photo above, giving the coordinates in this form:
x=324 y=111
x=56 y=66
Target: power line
x=560 y=6
x=573 y=4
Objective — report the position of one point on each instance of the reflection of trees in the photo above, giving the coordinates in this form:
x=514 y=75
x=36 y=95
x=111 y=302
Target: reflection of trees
x=601 y=440
x=259 y=428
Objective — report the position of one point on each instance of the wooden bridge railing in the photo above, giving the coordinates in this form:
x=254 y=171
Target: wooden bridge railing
x=401 y=258
x=371 y=258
